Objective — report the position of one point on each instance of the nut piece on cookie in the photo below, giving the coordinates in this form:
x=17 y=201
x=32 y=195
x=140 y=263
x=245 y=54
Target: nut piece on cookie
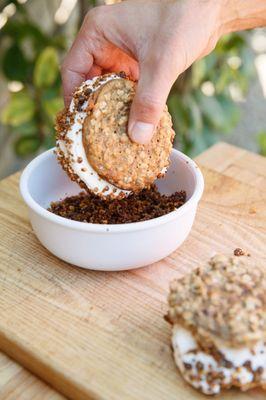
x=218 y=313
x=94 y=148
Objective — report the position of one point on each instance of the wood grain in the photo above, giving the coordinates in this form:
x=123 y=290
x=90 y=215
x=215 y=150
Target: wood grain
x=16 y=383
x=237 y=163
x=102 y=335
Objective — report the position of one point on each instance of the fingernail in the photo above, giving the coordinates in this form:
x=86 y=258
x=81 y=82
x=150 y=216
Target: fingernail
x=141 y=132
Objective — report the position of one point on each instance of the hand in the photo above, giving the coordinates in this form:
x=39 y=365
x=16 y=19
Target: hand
x=152 y=41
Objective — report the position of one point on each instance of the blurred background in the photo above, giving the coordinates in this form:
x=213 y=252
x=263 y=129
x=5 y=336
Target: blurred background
x=222 y=97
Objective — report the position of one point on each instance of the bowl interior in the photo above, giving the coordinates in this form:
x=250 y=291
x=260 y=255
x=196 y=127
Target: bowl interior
x=48 y=182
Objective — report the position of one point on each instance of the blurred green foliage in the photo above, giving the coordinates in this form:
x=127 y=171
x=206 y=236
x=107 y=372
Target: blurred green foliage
x=30 y=56
x=200 y=102
x=202 y=106
x=262 y=142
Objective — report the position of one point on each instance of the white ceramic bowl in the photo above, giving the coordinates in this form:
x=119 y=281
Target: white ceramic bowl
x=108 y=247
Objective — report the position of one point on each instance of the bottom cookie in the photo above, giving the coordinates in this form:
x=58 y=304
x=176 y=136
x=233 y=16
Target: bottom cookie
x=218 y=368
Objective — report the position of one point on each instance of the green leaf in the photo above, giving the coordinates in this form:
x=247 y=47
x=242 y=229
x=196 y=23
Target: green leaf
x=230 y=42
x=212 y=110
x=15 y=66
x=59 y=42
x=27 y=145
x=247 y=68
x=46 y=68
x=231 y=111
x=223 y=79
x=198 y=72
x=53 y=106
x=19 y=30
x=195 y=114
x=19 y=109
x=262 y=142
x=49 y=141
x=28 y=128
x=198 y=144
x=178 y=112
x=210 y=137
x=50 y=93
x=211 y=61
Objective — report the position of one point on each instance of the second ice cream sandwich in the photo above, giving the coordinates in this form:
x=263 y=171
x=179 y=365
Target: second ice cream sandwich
x=218 y=313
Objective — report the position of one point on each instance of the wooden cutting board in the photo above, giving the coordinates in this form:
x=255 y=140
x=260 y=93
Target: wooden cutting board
x=96 y=335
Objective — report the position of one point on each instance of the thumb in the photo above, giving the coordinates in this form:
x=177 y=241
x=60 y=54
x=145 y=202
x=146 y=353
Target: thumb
x=152 y=91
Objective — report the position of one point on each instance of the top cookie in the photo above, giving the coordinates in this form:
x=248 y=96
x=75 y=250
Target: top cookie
x=223 y=299
x=110 y=151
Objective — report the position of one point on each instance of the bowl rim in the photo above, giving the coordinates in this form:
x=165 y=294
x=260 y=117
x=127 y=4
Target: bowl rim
x=107 y=228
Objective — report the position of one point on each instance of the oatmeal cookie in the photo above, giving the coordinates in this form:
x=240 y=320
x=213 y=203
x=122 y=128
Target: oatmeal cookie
x=110 y=151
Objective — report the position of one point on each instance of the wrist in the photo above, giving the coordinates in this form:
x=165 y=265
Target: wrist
x=228 y=16
x=237 y=15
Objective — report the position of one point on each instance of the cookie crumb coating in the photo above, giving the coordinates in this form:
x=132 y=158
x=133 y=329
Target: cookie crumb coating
x=224 y=299
x=110 y=151
x=220 y=367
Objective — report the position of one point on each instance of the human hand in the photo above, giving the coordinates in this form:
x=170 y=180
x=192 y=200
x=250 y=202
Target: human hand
x=152 y=41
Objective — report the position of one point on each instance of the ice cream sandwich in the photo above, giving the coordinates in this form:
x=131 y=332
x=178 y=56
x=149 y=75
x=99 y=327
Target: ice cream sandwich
x=93 y=145
x=218 y=313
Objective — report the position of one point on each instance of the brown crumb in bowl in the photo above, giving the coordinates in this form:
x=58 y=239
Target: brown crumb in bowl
x=142 y=206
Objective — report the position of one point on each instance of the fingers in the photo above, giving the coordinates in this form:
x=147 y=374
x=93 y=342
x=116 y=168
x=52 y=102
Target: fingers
x=79 y=61
x=75 y=67
x=115 y=60
x=94 y=71
x=91 y=55
x=156 y=79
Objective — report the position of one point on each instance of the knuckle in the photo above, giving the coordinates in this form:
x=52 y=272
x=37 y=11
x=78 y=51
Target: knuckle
x=157 y=62
x=63 y=66
x=180 y=48
x=153 y=60
x=94 y=15
x=161 y=64
x=148 y=105
x=90 y=16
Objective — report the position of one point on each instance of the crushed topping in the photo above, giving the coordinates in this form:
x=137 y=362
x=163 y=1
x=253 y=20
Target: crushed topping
x=142 y=206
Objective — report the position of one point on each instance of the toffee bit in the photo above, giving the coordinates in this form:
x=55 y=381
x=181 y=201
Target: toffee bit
x=122 y=74
x=80 y=101
x=240 y=252
x=142 y=206
x=199 y=366
x=87 y=92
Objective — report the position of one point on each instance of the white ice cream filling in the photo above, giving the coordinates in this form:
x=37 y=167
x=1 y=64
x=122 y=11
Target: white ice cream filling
x=74 y=149
x=187 y=353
